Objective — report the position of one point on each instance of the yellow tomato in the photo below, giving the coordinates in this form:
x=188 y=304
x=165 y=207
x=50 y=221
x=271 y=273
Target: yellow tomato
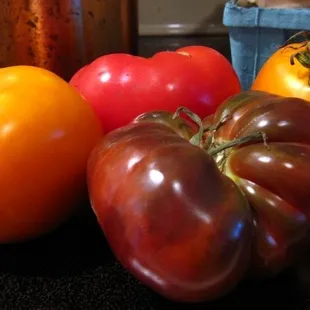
x=47 y=131
x=283 y=74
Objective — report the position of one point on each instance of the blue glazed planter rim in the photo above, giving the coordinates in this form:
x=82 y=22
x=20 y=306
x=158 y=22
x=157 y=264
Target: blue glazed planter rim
x=236 y=16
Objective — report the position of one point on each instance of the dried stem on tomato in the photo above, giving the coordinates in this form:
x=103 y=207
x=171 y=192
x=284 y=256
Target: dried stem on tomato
x=197 y=138
x=302 y=57
x=208 y=145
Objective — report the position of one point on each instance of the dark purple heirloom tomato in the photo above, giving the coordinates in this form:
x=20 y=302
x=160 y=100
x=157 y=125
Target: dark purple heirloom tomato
x=191 y=213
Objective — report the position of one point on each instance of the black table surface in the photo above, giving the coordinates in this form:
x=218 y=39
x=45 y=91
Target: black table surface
x=73 y=268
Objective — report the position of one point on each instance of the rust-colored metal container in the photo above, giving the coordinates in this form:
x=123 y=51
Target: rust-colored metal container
x=64 y=35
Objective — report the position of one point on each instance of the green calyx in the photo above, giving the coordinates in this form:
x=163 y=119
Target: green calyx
x=208 y=145
x=303 y=57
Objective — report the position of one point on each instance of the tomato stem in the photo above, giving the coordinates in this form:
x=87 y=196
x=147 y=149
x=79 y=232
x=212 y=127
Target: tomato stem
x=208 y=145
x=211 y=130
x=303 y=57
x=256 y=136
x=197 y=138
x=305 y=34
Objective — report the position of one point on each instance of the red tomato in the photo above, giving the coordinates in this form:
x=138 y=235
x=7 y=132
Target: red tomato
x=122 y=86
x=190 y=226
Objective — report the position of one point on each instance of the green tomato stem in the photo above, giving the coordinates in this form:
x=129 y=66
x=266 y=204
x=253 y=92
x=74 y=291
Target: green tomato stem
x=197 y=138
x=302 y=57
x=208 y=145
x=256 y=136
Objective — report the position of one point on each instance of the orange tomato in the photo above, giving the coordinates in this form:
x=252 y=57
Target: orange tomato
x=47 y=131
x=279 y=76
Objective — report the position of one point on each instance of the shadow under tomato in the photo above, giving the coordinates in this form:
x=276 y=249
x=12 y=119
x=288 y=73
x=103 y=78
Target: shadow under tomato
x=78 y=261
x=75 y=246
x=282 y=292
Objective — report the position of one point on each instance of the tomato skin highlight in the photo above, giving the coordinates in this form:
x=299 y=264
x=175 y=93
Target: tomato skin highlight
x=121 y=86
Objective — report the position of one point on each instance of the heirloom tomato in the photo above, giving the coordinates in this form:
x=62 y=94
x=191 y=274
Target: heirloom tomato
x=191 y=211
x=47 y=131
x=121 y=86
x=286 y=72
x=273 y=174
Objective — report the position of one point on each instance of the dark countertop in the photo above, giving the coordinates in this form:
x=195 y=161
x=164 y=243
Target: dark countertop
x=73 y=268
